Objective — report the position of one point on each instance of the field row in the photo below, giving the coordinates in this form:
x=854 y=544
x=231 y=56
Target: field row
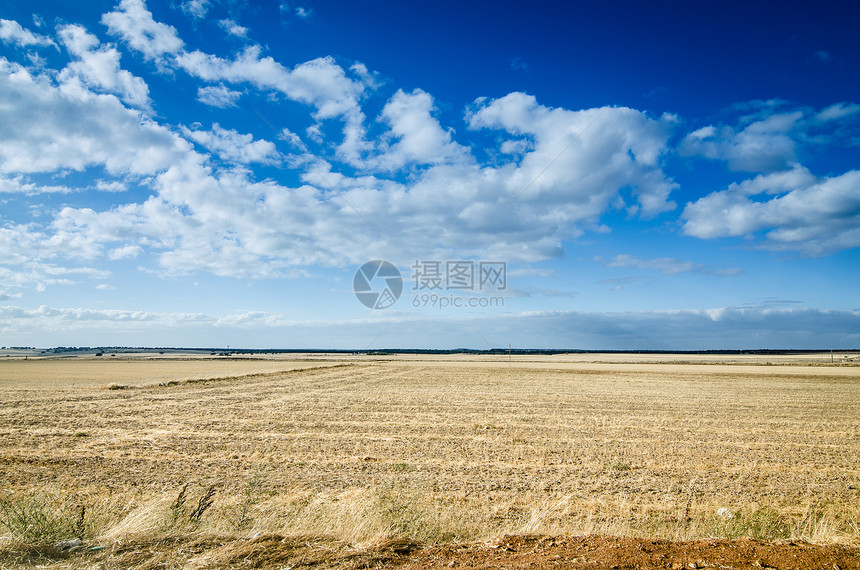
x=457 y=451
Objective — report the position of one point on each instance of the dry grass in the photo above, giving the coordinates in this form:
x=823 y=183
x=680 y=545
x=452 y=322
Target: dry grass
x=436 y=451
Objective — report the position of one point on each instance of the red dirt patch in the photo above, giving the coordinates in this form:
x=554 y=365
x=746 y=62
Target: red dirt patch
x=512 y=552
x=598 y=552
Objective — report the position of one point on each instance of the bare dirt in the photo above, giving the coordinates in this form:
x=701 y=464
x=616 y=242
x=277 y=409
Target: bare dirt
x=524 y=551
x=618 y=552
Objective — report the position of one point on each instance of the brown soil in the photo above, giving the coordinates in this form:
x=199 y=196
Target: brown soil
x=597 y=552
x=532 y=551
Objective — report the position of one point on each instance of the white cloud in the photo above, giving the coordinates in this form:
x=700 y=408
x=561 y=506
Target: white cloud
x=22 y=185
x=135 y=25
x=768 y=135
x=226 y=223
x=235 y=147
x=800 y=213
x=126 y=252
x=708 y=329
x=420 y=139
x=99 y=67
x=786 y=207
x=582 y=159
x=669 y=265
x=102 y=316
x=838 y=111
x=19 y=274
x=110 y=186
x=762 y=146
x=197 y=9
x=218 y=96
x=293 y=139
x=666 y=265
x=369 y=78
x=300 y=11
x=319 y=82
x=552 y=175
x=232 y=28
x=11 y=32
x=45 y=128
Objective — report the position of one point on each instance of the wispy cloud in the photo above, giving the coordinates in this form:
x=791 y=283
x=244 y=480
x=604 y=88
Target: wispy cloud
x=11 y=32
x=232 y=28
x=669 y=265
x=218 y=96
x=718 y=328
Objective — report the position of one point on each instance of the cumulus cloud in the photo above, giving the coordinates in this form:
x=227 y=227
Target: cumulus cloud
x=785 y=207
x=45 y=128
x=321 y=83
x=134 y=24
x=232 y=28
x=413 y=189
x=11 y=32
x=227 y=223
x=99 y=67
x=767 y=135
x=218 y=96
x=783 y=211
x=419 y=138
x=762 y=146
x=580 y=160
x=110 y=186
x=126 y=252
x=235 y=147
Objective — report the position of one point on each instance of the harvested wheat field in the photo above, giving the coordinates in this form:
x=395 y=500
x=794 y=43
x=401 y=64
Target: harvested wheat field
x=429 y=462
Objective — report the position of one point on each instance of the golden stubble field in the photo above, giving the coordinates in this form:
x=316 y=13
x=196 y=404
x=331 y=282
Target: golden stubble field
x=439 y=450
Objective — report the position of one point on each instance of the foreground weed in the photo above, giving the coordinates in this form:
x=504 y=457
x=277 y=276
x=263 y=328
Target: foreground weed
x=249 y=496
x=760 y=524
x=37 y=519
x=203 y=503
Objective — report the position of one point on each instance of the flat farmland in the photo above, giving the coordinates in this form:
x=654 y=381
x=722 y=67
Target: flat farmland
x=51 y=373
x=362 y=450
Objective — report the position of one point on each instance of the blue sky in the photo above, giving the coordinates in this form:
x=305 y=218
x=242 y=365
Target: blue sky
x=211 y=173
